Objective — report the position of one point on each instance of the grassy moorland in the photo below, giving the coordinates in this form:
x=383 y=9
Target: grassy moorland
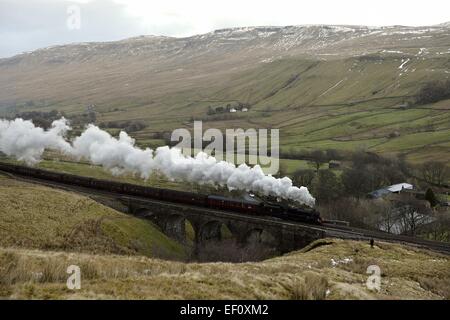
x=327 y=269
x=38 y=217
x=43 y=231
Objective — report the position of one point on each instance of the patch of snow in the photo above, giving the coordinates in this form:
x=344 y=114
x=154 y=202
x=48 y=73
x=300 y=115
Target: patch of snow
x=391 y=51
x=408 y=31
x=403 y=63
x=334 y=263
x=342 y=29
x=329 y=89
x=422 y=51
x=328 y=54
x=267 y=60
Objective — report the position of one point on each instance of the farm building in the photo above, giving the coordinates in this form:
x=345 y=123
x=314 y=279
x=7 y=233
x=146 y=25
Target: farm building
x=396 y=188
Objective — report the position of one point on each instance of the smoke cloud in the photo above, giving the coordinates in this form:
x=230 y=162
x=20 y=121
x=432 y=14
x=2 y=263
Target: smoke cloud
x=27 y=143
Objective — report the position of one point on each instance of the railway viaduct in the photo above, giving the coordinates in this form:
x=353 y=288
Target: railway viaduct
x=208 y=225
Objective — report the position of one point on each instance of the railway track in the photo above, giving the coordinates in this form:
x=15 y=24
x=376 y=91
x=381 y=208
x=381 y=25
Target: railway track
x=330 y=230
x=364 y=234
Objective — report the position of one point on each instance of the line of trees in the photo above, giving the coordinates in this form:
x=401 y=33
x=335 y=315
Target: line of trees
x=433 y=92
x=44 y=119
x=318 y=156
x=435 y=173
x=128 y=125
x=342 y=194
x=367 y=173
x=40 y=118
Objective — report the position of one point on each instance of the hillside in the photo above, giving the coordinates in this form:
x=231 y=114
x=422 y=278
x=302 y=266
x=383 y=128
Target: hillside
x=44 y=230
x=339 y=87
x=33 y=216
x=328 y=269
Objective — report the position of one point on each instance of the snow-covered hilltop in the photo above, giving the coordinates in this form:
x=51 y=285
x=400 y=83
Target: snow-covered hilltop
x=289 y=40
x=142 y=67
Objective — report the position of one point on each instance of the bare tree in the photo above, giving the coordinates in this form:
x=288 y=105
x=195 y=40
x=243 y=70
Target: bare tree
x=333 y=154
x=358 y=212
x=282 y=170
x=317 y=159
x=435 y=172
x=387 y=216
x=356 y=181
x=303 y=177
x=439 y=228
x=412 y=214
x=327 y=186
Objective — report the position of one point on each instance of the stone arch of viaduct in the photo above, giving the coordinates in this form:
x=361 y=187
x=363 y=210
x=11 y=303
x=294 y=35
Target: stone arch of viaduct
x=207 y=225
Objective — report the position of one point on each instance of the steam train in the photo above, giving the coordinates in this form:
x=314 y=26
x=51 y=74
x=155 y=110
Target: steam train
x=246 y=205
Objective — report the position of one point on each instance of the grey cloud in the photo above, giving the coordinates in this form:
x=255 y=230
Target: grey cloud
x=32 y=24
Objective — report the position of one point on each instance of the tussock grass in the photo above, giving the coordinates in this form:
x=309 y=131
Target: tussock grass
x=436 y=285
x=406 y=274
x=33 y=216
x=311 y=287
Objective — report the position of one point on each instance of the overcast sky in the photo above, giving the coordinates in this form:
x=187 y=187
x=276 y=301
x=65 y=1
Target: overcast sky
x=30 y=24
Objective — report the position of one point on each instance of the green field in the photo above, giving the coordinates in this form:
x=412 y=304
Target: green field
x=360 y=113
x=347 y=103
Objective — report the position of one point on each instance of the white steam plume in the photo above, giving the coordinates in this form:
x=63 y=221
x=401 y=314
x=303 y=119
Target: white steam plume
x=26 y=142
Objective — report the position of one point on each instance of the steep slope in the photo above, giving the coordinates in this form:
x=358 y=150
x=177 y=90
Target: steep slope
x=32 y=216
x=324 y=86
x=143 y=68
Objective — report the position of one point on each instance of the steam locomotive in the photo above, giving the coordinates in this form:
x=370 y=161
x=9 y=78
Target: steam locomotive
x=246 y=205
